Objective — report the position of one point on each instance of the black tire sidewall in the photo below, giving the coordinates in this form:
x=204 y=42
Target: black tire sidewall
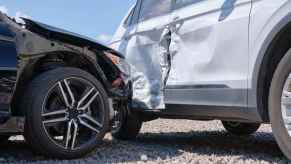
x=38 y=91
x=275 y=112
x=130 y=127
x=242 y=128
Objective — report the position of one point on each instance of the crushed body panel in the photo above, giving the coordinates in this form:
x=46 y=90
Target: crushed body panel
x=34 y=41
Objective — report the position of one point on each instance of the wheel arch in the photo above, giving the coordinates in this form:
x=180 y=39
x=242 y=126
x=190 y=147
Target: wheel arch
x=37 y=64
x=271 y=52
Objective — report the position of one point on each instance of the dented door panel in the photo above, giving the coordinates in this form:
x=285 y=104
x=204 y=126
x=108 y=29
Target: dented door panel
x=147 y=56
x=147 y=52
x=209 y=51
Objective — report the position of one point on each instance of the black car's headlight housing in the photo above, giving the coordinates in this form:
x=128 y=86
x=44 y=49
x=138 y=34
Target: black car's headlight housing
x=121 y=64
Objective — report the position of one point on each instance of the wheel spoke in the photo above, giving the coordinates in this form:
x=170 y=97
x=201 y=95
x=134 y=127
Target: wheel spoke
x=286 y=94
x=286 y=100
x=287 y=120
x=72 y=132
x=68 y=136
x=65 y=96
x=70 y=93
x=90 y=122
x=89 y=100
x=75 y=133
x=57 y=120
x=58 y=112
x=55 y=117
x=288 y=80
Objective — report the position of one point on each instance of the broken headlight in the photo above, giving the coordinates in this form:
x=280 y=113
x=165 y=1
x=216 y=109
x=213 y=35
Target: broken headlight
x=121 y=63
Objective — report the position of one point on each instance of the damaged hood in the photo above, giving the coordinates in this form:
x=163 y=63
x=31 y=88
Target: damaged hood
x=66 y=36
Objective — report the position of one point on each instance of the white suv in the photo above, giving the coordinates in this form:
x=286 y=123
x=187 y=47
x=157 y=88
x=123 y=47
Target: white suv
x=210 y=59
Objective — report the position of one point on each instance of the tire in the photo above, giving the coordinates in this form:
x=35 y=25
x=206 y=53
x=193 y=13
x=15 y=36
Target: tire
x=129 y=126
x=240 y=129
x=275 y=108
x=59 y=127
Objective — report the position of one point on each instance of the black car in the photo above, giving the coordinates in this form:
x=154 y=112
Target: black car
x=57 y=88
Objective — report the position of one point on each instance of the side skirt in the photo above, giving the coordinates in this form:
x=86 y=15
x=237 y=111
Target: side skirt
x=200 y=112
x=207 y=102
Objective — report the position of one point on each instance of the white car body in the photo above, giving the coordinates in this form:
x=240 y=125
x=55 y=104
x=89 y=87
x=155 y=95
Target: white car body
x=216 y=49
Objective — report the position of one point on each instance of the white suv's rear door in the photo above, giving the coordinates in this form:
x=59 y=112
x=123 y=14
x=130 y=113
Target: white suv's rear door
x=209 y=51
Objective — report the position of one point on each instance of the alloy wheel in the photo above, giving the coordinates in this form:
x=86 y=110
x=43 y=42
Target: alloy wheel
x=286 y=104
x=72 y=113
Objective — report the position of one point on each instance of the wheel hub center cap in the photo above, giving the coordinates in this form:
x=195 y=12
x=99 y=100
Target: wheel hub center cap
x=74 y=113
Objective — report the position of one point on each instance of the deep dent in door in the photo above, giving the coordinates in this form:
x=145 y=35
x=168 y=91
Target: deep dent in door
x=150 y=69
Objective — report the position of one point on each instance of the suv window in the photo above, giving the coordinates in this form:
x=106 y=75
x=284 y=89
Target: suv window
x=154 y=8
x=183 y=3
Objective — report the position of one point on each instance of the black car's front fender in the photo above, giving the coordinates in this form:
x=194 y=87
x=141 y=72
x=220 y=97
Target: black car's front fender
x=34 y=43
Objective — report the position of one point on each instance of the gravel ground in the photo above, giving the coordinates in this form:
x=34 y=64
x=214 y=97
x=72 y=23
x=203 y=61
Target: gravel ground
x=168 y=141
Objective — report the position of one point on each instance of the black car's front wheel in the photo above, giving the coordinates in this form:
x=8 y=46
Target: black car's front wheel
x=67 y=113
